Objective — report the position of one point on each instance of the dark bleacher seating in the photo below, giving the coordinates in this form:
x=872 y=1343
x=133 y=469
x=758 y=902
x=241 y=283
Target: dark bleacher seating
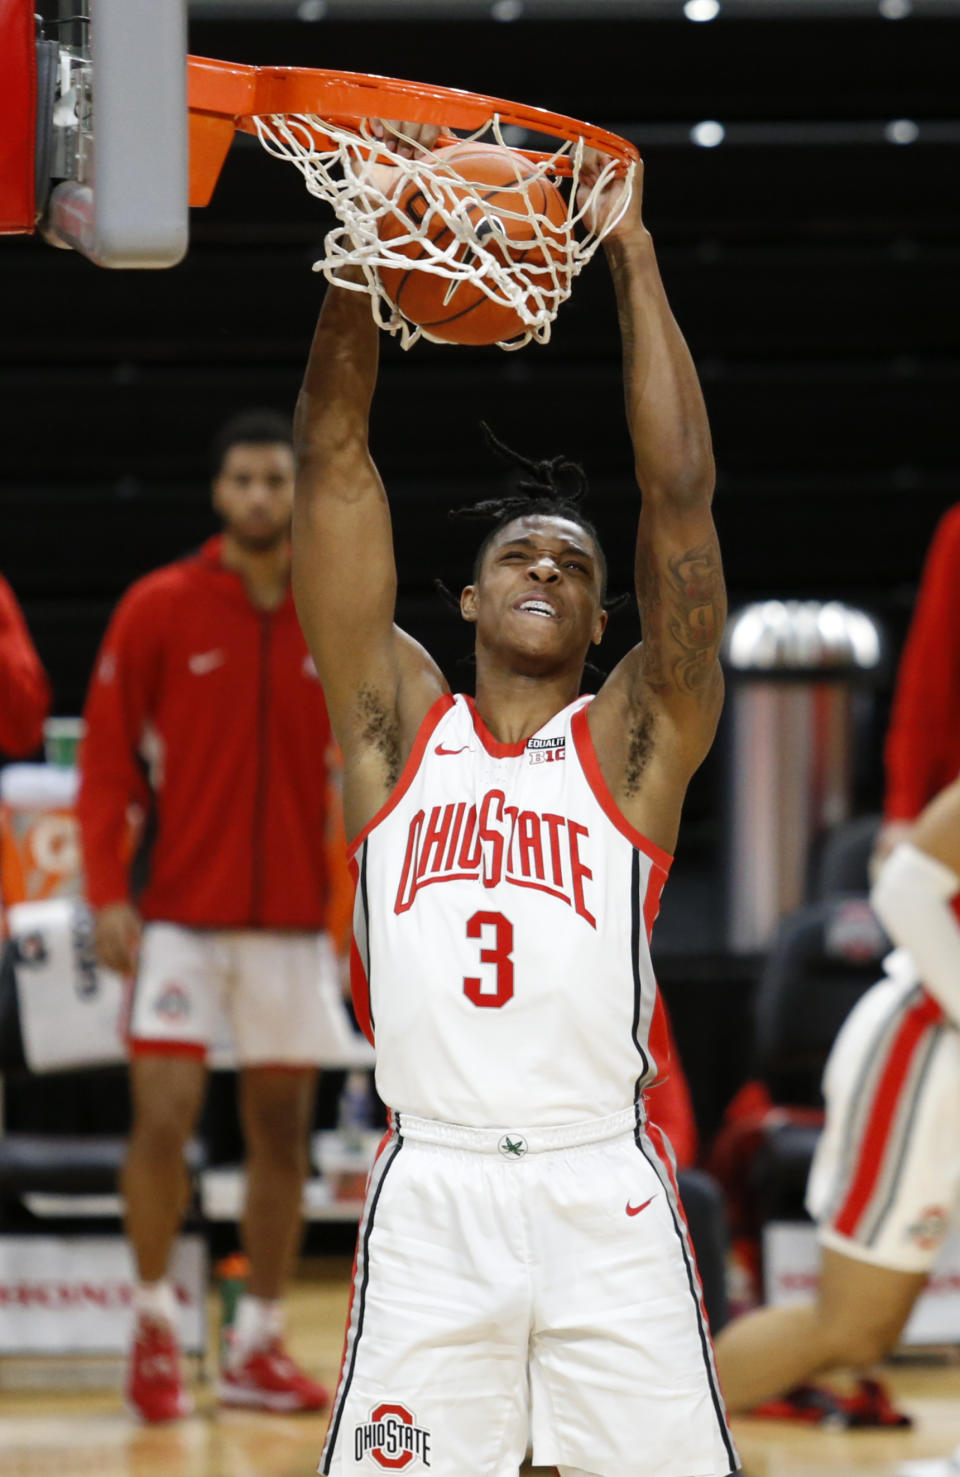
x=845 y=858
x=823 y=958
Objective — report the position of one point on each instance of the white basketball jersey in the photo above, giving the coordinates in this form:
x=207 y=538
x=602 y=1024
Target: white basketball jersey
x=501 y=929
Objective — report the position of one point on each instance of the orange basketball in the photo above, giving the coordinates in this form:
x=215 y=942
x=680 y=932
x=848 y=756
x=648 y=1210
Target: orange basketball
x=461 y=312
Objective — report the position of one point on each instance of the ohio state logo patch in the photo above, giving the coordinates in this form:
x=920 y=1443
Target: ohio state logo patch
x=172 y=1004
x=931 y=1228
x=392 y=1438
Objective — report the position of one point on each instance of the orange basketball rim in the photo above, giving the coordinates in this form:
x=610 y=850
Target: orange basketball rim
x=318 y=121
x=226 y=96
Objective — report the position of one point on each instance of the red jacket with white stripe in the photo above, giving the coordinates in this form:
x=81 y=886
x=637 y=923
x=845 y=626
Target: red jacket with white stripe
x=209 y=710
x=24 y=689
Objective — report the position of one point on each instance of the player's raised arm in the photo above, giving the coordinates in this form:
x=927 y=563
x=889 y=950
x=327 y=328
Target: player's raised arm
x=679 y=578
x=344 y=578
x=378 y=682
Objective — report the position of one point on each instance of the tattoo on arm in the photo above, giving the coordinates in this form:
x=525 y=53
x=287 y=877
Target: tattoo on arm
x=650 y=600
x=696 y=587
x=682 y=602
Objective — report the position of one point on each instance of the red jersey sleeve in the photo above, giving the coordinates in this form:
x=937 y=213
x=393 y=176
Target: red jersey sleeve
x=112 y=777
x=923 y=741
x=24 y=688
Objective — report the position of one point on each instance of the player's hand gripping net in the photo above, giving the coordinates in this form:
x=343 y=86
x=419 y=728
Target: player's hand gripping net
x=519 y=255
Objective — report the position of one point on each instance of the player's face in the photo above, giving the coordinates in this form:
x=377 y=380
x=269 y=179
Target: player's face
x=253 y=493
x=539 y=592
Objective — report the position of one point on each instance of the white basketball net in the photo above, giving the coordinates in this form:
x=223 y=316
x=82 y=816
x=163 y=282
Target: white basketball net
x=362 y=177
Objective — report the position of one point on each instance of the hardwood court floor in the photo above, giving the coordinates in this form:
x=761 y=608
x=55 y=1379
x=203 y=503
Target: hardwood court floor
x=86 y=1433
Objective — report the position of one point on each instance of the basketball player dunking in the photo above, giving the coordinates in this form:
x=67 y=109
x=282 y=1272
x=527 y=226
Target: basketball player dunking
x=523 y=1271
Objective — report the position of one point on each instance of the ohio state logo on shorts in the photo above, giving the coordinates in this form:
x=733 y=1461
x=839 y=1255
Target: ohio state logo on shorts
x=172 y=1004
x=931 y=1228
x=393 y=1438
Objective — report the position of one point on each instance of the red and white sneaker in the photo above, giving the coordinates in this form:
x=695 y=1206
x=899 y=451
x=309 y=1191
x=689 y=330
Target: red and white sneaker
x=268 y=1379
x=155 y=1388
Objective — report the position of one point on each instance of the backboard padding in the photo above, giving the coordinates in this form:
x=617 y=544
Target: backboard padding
x=127 y=206
x=18 y=111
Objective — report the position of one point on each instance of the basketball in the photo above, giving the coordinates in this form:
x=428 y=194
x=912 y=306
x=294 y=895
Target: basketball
x=504 y=218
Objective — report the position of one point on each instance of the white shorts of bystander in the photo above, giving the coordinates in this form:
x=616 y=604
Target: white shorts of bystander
x=278 y=994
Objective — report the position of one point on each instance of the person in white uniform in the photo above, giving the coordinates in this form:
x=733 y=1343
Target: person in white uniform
x=523 y=1268
x=884 y=1186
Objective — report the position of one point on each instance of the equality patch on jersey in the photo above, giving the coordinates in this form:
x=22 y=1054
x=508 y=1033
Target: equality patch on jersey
x=546 y=750
x=392 y=1438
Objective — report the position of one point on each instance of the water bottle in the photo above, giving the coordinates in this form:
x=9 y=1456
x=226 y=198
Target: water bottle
x=355 y=1111
x=354 y=1120
x=231 y=1276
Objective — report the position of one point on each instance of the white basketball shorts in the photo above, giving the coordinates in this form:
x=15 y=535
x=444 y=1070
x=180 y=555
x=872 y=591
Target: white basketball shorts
x=278 y=994
x=885 y=1180
x=518 y=1287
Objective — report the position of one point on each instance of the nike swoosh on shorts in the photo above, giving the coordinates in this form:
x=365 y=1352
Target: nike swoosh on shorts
x=636 y=1209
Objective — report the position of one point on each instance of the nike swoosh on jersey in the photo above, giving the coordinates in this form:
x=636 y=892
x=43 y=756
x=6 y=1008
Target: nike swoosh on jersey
x=441 y=750
x=636 y=1209
x=205 y=661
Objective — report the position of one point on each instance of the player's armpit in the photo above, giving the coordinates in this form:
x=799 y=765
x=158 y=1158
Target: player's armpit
x=380 y=722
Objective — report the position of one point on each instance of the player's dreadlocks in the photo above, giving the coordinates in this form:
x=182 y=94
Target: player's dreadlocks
x=556 y=487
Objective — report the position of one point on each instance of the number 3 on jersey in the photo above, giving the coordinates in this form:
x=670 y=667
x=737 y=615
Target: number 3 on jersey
x=498 y=955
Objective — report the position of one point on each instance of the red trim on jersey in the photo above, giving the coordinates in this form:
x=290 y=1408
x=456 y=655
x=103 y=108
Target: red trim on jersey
x=493 y=745
x=651 y=902
x=587 y=754
x=143 y=1046
x=360 y=993
x=442 y=705
x=668 y=1097
x=666 y=1159
x=886 y=1101
x=359 y=984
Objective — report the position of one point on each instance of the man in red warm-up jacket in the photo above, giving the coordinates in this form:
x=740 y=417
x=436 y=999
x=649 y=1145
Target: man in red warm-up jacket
x=24 y=689
x=205 y=708
x=923 y=740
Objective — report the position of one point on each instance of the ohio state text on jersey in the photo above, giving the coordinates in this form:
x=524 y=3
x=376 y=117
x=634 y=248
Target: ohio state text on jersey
x=502 y=923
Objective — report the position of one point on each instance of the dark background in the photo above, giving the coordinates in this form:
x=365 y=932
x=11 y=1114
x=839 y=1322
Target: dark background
x=812 y=264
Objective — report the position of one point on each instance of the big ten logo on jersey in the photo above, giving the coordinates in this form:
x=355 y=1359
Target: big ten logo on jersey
x=494 y=842
x=546 y=750
x=392 y=1438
